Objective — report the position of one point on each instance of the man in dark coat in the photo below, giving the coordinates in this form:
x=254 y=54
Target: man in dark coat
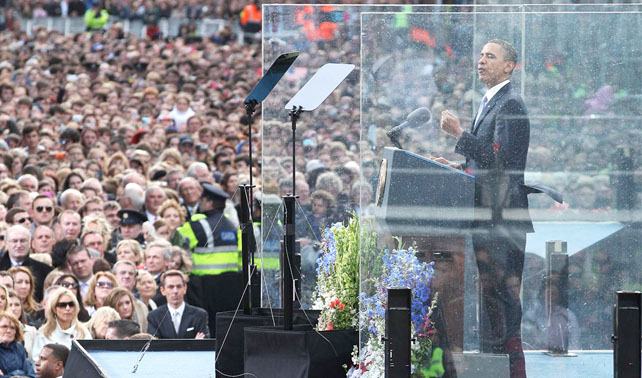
x=18 y=240
x=177 y=319
x=495 y=149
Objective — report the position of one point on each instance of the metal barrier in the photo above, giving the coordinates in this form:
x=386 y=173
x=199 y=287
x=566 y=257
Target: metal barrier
x=168 y=27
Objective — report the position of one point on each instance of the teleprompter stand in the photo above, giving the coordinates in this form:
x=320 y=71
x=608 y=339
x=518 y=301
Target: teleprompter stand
x=308 y=353
x=260 y=91
x=313 y=93
x=230 y=324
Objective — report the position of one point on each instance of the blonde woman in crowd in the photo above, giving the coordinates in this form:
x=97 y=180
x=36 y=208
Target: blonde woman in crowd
x=99 y=322
x=181 y=260
x=61 y=324
x=129 y=250
x=147 y=288
x=175 y=215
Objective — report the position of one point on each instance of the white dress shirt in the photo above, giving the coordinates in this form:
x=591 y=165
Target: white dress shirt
x=176 y=314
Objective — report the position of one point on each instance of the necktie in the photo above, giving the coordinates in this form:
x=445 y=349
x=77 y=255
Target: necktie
x=481 y=108
x=176 y=320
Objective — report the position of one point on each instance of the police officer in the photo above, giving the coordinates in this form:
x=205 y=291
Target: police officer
x=131 y=225
x=216 y=254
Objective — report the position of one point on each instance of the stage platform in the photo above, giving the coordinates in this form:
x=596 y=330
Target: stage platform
x=587 y=364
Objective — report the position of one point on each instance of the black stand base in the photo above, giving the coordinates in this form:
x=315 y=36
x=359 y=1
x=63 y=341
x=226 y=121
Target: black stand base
x=230 y=357
x=298 y=353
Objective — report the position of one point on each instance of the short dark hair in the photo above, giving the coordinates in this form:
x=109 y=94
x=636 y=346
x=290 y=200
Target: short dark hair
x=59 y=352
x=76 y=250
x=124 y=328
x=510 y=54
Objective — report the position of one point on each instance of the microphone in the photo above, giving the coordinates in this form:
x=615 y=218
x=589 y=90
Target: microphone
x=416 y=118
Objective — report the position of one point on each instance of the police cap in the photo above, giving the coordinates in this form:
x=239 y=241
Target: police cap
x=128 y=216
x=214 y=193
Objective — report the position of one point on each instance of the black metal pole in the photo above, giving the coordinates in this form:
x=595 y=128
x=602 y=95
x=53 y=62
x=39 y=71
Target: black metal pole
x=626 y=335
x=294 y=116
x=397 y=340
x=287 y=260
x=250 y=108
x=247 y=245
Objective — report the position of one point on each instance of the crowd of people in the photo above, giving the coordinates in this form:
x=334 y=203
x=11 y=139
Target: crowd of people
x=111 y=146
x=111 y=142
x=132 y=9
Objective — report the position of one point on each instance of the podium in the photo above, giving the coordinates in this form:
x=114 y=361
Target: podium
x=431 y=206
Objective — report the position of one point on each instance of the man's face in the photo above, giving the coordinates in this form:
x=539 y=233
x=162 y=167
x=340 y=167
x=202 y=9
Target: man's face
x=18 y=244
x=24 y=201
x=22 y=219
x=186 y=148
x=42 y=211
x=70 y=226
x=126 y=276
x=93 y=208
x=173 y=180
x=190 y=193
x=174 y=290
x=155 y=261
x=81 y=265
x=31 y=139
x=47 y=366
x=112 y=217
x=130 y=231
x=30 y=185
x=74 y=202
x=7 y=94
x=76 y=154
x=94 y=241
x=43 y=240
x=204 y=175
x=491 y=67
x=154 y=200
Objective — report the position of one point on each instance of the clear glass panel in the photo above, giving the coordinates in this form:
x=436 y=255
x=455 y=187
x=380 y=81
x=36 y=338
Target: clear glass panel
x=580 y=107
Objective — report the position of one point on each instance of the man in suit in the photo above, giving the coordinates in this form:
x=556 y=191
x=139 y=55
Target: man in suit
x=495 y=149
x=177 y=319
x=18 y=240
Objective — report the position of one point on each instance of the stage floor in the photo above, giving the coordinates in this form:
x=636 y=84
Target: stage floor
x=587 y=364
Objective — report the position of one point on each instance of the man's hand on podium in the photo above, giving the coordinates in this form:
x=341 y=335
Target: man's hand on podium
x=444 y=161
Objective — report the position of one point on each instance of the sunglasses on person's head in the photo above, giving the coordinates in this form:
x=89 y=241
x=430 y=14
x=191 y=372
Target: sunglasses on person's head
x=104 y=284
x=65 y=304
x=72 y=285
x=39 y=209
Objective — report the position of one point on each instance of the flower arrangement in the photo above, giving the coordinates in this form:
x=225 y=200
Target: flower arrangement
x=337 y=291
x=401 y=268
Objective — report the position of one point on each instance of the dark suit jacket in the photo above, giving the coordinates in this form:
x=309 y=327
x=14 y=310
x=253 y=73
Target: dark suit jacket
x=194 y=320
x=495 y=151
x=38 y=269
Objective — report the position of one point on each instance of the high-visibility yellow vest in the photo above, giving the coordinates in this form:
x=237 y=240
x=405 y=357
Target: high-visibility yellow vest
x=215 y=244
x=269 y=260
